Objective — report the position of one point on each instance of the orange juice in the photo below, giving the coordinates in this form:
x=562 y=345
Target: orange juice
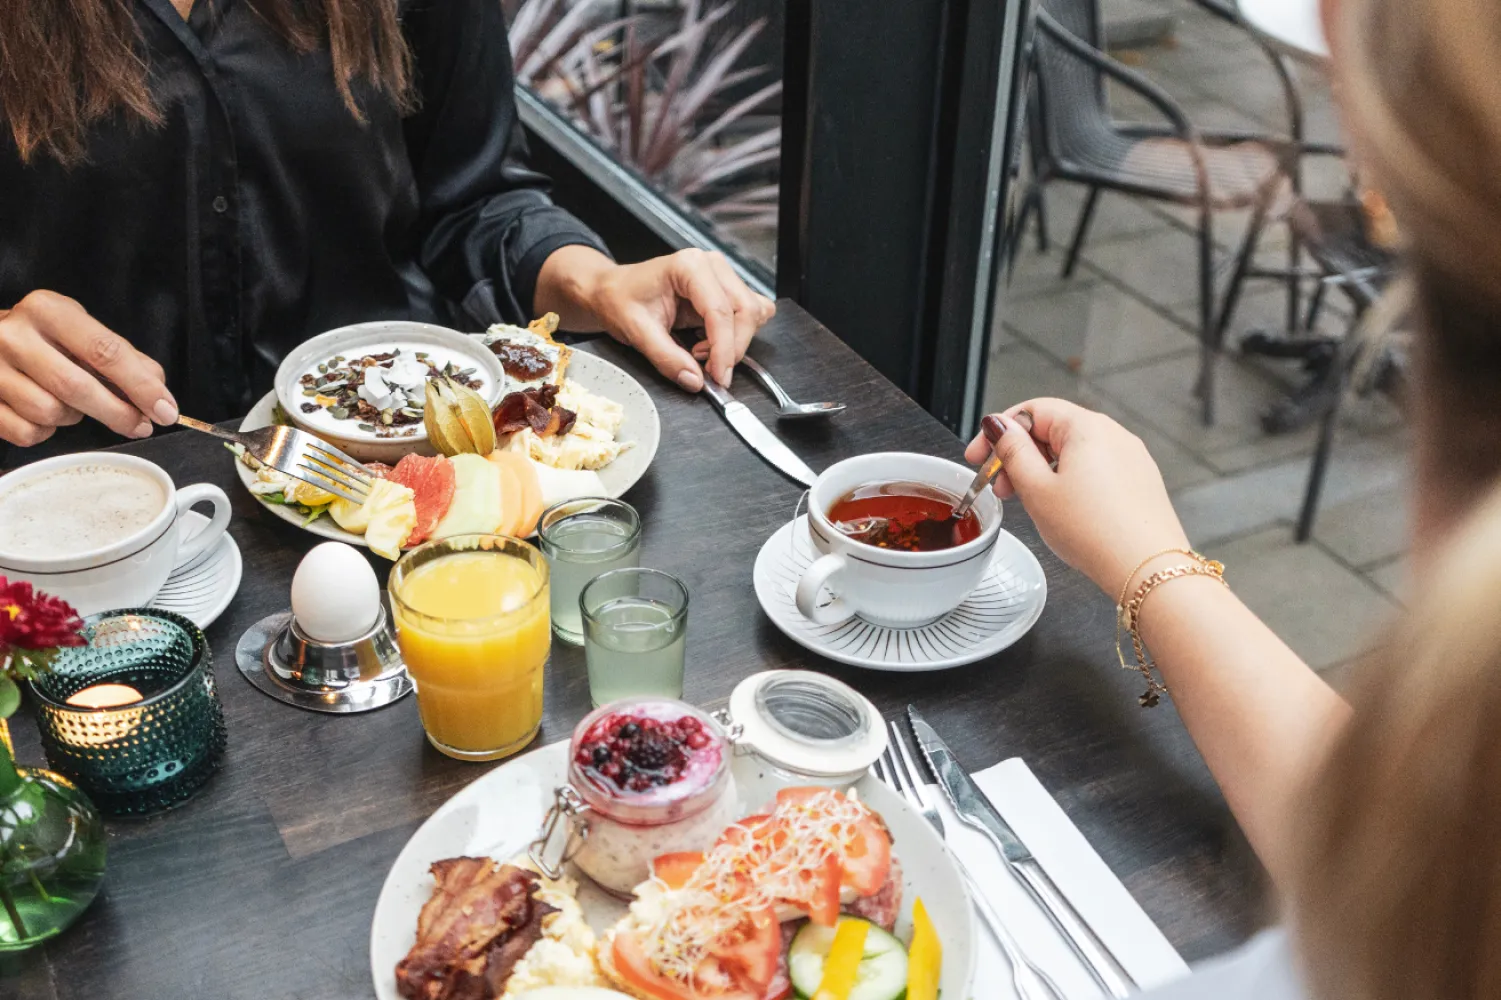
x=472 y=622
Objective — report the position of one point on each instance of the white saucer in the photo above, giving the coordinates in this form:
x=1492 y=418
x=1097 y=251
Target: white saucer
x=200 y=590
x=1002 y=609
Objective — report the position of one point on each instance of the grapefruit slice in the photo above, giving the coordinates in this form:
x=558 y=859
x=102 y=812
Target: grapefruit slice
x=432 y=482
x=525 y=520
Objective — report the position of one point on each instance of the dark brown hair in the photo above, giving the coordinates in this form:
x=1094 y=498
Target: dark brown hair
x=65 y=64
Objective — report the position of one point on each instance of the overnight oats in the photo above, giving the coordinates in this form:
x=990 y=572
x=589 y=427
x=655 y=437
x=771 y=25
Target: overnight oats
x=655 y=776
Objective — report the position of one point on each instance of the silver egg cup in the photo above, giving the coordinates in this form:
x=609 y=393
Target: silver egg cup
x=361 y=675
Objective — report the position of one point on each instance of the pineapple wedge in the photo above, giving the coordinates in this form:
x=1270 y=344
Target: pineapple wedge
x=386 y=518
x=391 y=524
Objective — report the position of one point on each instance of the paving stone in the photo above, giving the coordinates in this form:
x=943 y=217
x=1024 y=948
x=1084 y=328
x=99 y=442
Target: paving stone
x=1162 y=394
x=1023 y=371
x=1162 y=267
x=1392 y=577
x=1098 y=328
x=1327 y=613
x=1371 y=469
x=1368 y=530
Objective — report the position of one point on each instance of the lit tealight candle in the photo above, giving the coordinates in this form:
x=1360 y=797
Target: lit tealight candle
x=105 y=696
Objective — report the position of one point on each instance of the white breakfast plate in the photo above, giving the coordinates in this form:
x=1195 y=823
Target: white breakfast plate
x=641 y=428
x=1001 y=610
x=201 y=589
x=499 y=814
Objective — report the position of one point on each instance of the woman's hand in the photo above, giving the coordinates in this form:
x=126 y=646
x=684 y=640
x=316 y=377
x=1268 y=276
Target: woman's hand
x=1103 y=509
x=641 y=304
x=55 y=361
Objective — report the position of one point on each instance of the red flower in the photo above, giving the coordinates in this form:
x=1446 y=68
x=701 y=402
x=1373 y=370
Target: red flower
x=33 y=620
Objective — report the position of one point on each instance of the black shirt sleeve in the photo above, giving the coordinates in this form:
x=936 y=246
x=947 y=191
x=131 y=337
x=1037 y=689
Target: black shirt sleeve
x=487 y=223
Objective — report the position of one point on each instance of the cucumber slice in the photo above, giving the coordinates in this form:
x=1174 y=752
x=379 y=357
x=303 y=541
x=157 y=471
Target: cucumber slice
x=883 y=970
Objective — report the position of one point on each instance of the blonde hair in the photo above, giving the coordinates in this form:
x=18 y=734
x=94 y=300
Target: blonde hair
x=1395 y=892
x=1396 y=885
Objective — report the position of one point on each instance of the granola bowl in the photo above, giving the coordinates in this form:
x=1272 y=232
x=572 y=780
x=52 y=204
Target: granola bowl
x=362 y=387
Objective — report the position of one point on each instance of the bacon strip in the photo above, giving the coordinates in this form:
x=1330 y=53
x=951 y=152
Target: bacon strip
x=480 y=921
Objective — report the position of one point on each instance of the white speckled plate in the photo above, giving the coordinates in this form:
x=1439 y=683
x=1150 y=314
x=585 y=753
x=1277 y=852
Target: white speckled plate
x=1002 y=609
x=642 y=428
x=499 y=814
x=201 y=589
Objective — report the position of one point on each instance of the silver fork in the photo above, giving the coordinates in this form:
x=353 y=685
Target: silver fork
x=899 y=770
x=300 y=455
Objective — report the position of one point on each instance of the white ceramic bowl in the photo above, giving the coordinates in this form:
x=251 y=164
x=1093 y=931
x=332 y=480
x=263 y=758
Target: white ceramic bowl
x=128 y=571
x=890 y=587
x=373 y=338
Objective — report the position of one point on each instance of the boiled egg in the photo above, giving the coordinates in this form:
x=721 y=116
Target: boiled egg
x=335 y=597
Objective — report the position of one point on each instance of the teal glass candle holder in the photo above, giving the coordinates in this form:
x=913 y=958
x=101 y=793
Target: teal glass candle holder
x=160 y=734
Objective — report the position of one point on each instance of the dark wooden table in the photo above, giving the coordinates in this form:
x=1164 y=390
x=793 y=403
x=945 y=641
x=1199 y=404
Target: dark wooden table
x=262 y=887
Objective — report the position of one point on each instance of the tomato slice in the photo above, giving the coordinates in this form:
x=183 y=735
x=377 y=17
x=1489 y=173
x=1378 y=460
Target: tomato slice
x=820 y=892
x=867 y=856
x=867 y=847
x=676 y=869
x=746 y=967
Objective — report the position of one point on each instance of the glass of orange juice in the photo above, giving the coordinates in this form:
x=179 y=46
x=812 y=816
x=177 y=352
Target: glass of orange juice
x=473 y=626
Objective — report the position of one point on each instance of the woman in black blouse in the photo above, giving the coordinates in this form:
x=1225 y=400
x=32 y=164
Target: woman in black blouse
x=188 y=190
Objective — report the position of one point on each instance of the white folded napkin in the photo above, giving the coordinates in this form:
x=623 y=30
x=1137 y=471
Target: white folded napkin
x=1080 y=874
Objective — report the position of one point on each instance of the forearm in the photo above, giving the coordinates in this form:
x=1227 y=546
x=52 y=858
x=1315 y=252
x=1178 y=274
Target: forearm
x=1258 y=714
x=566 y=285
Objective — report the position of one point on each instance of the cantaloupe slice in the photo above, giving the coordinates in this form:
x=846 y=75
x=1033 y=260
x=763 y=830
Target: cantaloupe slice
x=531 y=490
x=510 y=499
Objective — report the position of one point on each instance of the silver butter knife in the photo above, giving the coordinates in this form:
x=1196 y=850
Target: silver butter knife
x=972 y=806
x=756 y=434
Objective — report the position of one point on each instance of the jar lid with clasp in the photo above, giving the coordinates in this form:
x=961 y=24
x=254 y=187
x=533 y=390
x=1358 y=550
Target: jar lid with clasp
x=807 y=726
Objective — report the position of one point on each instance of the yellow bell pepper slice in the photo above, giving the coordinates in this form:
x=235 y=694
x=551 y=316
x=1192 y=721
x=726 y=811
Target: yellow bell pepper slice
x=924 y=958
x=843 y=963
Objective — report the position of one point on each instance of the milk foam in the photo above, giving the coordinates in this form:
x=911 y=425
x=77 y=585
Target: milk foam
x=76 y=509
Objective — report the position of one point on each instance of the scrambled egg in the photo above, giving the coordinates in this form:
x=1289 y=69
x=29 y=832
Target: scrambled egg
x=565 y=954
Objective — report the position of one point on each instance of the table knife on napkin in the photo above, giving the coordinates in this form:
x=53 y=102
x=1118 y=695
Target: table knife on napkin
x=756 y=434
x=976 y=810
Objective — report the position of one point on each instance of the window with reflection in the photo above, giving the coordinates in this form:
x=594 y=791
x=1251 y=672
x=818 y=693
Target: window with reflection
x=685 y=93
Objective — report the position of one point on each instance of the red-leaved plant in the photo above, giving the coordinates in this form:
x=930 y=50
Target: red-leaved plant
x=33 y=627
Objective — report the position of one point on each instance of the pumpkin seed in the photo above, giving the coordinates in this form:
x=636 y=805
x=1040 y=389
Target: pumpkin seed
x=409 y=411
x=310 y=392
x=386 y=417
x=369 y=428
x=340 y=412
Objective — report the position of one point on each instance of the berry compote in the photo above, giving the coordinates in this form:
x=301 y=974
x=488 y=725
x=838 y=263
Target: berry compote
x=655 y=774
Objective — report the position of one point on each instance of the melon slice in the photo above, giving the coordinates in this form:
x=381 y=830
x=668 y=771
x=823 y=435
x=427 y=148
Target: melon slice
x=525 y=471
x=510 y=499
x=476 y=506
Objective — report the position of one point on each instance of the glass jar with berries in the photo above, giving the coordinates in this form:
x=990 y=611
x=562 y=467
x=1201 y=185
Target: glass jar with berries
x=646 y=776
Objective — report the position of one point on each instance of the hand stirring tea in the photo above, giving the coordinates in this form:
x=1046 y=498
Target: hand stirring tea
x=911 y=519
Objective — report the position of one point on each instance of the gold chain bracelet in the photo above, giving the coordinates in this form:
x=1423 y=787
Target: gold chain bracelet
x=1128 y=615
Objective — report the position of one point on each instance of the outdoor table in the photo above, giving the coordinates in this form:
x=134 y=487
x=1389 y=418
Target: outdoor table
x=262 y=887
x=1293 y=26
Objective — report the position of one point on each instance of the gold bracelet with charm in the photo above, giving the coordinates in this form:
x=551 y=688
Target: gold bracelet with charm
x=1128 y=614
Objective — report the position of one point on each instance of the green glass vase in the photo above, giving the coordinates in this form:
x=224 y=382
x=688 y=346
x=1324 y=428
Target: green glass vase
x=51 y=852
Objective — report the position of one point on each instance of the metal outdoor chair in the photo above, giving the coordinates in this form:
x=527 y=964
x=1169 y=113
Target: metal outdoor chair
x=1074 y=137
x=1372 y=355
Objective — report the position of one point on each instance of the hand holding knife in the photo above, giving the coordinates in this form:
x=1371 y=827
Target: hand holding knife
x=756 y=434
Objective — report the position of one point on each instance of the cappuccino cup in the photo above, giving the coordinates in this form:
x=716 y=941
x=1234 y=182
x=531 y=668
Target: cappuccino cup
x=101 y=530
x=891 y=587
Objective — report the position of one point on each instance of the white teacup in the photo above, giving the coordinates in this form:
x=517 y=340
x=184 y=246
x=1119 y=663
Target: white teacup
x=891 y=587
x=100 y=530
